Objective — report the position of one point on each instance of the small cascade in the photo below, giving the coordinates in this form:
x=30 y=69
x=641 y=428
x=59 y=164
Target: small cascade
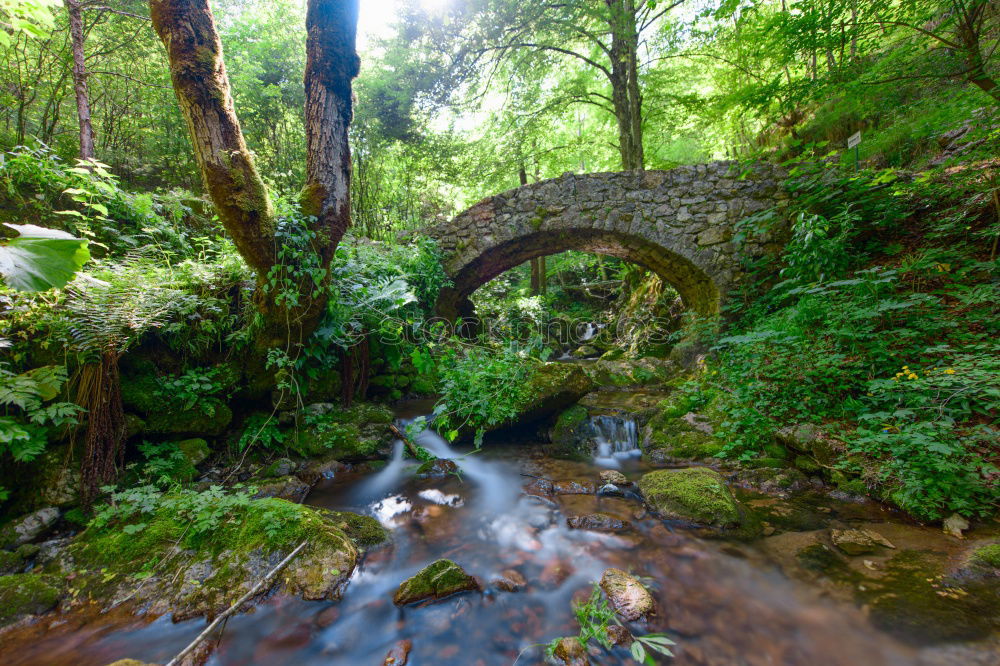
x=616 y=438
x=385 y=480
x=589 y=332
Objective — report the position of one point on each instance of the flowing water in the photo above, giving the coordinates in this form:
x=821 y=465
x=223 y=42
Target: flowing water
x=723 y=603
x=616 y=438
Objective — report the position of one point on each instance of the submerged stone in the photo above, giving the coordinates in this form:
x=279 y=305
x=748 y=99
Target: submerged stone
x=695 y=494
x=600 y=522
x=627 y=595
x=509 y=580
x=858 y=542
x=435 y=581
x=399 y=654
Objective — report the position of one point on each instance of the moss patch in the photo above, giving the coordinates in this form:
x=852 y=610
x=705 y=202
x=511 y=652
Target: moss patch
x=674 y=438
x=567 y=422
x=27 y=594
x=193 y=574
x=696 y=494
x=988 y=556
x=363 y=530
x=353 y=433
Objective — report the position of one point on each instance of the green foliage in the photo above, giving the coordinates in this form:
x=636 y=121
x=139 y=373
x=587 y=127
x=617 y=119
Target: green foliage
x=261 y=429
x=824 y=352
x=595 y=616
x=39 y=259
x=480 y=388
x=202 y=512
x=202 y=389
x=29 y=410
x=165 y=463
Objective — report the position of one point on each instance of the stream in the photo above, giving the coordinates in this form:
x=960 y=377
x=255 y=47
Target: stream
x=722 y=602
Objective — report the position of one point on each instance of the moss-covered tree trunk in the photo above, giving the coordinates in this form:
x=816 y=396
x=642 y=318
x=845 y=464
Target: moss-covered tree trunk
x=194 y=51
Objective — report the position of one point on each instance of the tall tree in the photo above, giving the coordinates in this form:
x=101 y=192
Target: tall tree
x=75 y=13
x=198 y=73
x=603 y=36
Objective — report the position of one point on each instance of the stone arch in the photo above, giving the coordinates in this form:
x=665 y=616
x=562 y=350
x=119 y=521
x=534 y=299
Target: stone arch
x=679 y=223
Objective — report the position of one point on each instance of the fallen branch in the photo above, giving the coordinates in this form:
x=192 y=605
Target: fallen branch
x=410 y=446
x=239 y=602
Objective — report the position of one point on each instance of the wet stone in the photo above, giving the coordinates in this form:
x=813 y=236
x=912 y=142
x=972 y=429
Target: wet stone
x=510 y=580
x=627 y=595
x=599 y=522
x=437 y=469
x=399 y=654
x=618 y=635
x=613 y=477
x=574 y=488
x=569 y=652
x=539 y=487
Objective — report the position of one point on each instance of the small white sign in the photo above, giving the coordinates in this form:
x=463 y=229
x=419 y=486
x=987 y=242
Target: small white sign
x=854 y=140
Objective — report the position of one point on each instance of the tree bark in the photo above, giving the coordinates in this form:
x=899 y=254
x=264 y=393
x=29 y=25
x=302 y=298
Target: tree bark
x=626 y=95
x=194 y=51
x=331 y=64
x=970 y=38
x=80 y=80
x=198 y=73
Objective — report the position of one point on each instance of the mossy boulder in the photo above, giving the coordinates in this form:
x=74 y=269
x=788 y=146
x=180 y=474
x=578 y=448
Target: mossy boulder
x=14 y=561
x=564 y=431
x=190 y=574
x=677 y=433
x=207 y=421
x=354 y=433
x=290 y=488
x=695 y=494
x=363 y=530
x=28 y=528
x=553 y=387
x=437 y=580
x=809 y=439
x=195 y=450
x=27 y=594
x=637 y=372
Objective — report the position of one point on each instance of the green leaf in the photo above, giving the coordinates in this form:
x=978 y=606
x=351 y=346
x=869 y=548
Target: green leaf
x=40 y=258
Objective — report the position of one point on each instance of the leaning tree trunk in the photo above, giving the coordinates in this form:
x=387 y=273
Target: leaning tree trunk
x=80 y=80
x=194 y=51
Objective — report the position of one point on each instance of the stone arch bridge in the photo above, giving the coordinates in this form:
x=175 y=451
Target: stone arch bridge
x=678 y=223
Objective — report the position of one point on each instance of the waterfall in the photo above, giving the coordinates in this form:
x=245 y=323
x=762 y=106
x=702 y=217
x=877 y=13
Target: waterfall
x=616 y=437
x=589 y=332
x=387 y=479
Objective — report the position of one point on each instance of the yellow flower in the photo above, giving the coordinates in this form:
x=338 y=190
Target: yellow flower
x=913 y=376
x=949 y=371
x=906 y=367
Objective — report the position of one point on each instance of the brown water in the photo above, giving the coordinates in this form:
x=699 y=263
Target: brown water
x=722 y=603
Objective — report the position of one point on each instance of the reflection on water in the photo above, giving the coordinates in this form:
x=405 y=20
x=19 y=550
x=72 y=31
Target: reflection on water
x=719 y=608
